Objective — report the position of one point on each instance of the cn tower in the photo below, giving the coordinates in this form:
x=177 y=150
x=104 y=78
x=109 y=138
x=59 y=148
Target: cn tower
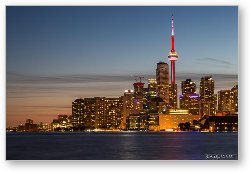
x=172 y=55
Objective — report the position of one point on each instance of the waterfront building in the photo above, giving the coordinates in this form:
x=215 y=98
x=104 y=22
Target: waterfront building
x=128 y=106
x=77 y=112
x=223 y=123
x=108 y=112
x=88 y=117
x=153 y=122
x=171 y=121
x=43 y=127
x=137 y=122
x=21 y=128
x=62 y=123
x=30 y=126
x=97 y=112
x=208 y=100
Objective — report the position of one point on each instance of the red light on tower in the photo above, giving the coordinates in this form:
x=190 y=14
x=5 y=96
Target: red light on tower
x=172 y=55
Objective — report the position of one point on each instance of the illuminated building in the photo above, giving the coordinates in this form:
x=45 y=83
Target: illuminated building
x=146 y=99
x=223 y=123
x=171 y=120
x=208 y=107
x=224 y=100
x=114 y=111
x=149 y=95
x=138 y=88
x=21 y=128
x=190 y=102
x=206 y=87
x=234 y=99
x=208 y=100
x=173 y=95
x=153 y=122
x=137 y=105
x=228 y=101
x=188 y=87
x=108 y=112
x=152 y=87
x=162 y=79
x=77 y=112
x=83 y=113
x=156 y=105
x=189 y=99
x=133 y=122
x=137 y=122
x=178 y=112
x=128 y=106
x=138 y=97
x=97 y=112
x=43 y=127
x=172 y=57
x=89 y=113
x=30 y=126
x=61 y=123
x=100 y=113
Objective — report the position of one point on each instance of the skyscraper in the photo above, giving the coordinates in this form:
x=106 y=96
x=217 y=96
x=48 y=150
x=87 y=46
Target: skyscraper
x=172 y=57
x=152 y=99
x=208 y=99
x=152 y=87
x=128 y=106
x=162 y=79
x=224 y=101
x=77 y=112
x=173 y=96
x=138 y=97
x=89 y=113
x=189 y=99
x=108 y=112
x=188 y=87
x=97 y=112
x=234 y=99
x=206 y=87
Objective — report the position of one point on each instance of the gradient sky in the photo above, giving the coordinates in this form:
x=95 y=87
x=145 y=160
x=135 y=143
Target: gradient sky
x=55 y=54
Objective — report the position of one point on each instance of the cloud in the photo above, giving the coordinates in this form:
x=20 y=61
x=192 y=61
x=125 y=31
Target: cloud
x=60 y=79
x=195 y=76
x=29 y=86
x=214 y=61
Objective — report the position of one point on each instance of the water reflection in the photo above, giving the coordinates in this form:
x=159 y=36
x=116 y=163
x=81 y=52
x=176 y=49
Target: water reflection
x=120 y=145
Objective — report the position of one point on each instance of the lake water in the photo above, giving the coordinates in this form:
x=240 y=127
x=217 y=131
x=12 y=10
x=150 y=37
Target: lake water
x=122 y=146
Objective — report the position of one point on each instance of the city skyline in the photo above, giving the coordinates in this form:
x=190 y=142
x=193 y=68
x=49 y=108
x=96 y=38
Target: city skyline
x=30 y=82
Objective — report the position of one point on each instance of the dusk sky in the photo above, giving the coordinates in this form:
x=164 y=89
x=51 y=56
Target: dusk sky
x=55 y=54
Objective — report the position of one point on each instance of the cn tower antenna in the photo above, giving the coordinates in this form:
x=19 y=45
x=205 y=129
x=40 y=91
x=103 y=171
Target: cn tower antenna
x=172 y=35
x=172 y=25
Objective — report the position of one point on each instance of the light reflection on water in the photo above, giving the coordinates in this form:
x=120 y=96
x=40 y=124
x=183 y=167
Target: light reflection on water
x=120 y=145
